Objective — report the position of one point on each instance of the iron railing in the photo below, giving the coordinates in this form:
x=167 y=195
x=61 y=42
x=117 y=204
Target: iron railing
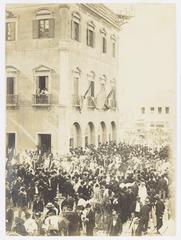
x=41 y=99
x=11 y=99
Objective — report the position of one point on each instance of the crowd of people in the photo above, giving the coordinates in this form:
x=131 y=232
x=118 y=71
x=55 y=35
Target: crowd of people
x=87 y=191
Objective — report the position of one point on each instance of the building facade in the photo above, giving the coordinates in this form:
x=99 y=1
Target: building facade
x=61 y=73
x=151 y=124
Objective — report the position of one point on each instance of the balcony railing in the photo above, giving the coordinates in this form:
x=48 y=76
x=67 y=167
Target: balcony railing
x=11 y=99
x=75 y=101
x=41 y=99
x=91 y=102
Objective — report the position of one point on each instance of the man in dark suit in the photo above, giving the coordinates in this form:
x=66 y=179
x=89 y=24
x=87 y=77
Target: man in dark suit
x=144 y=218
x=160 y=208
x=37 y=205
x=90 y=220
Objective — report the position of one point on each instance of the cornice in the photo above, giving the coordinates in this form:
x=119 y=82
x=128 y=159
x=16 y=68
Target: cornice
x=103 y=12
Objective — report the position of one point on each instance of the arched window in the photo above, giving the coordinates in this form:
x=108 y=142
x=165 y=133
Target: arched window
x=90 y=34
x=76 y=26
x=103 y=40
x=11 y=26
x=43 y=24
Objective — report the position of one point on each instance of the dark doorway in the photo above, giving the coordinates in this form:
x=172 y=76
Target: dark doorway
x=11 y=140
x=44 y=142
x=42 y=83
x=10 y=85
x=10 y=147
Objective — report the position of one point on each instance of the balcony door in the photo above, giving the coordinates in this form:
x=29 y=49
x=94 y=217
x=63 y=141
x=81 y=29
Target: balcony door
x=10 y=85
x=42 y=83
x=44 y=142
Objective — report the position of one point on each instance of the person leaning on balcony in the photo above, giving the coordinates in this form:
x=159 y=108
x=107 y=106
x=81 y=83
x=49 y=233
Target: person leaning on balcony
x=45 y=91
x=37 y=91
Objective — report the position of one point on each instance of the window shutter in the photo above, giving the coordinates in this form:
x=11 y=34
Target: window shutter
x=46 y=82
x=35 y=29
x=51 y=28
x=13 y=29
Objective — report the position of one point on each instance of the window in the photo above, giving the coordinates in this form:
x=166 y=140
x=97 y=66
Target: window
x=42 y=83
x=43 y=25
x=41 y=93
x=75 y=87
x=152 y=109
x=113 y=39
x=104 y=40
x=76 y=26
x=44 y=28
x=104 y=45
x=143 y=110
x=159 y=110
x=10 y=31
x=90 y=35
x=114 y=49
x=167 y=110
x=10 y=26
x=10 y=85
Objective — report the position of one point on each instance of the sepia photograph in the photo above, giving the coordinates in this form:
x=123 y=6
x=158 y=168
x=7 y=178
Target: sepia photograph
x=90 y=119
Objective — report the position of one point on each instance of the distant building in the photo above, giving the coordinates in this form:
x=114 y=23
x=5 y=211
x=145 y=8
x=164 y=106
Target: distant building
x=150 y=125
x=62 y=75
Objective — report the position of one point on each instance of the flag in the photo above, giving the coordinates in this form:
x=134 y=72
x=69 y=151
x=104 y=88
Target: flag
x=107 y=104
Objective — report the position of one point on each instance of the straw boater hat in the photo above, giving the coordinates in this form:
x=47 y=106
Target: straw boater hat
x=49 y=205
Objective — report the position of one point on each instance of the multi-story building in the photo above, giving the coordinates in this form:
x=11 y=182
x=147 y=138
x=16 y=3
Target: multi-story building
x=150 y=124
x=62 y=73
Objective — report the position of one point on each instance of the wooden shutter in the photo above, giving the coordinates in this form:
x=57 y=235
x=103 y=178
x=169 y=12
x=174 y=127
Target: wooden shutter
x=46 y=82
x=35 y=29
x=51 y=28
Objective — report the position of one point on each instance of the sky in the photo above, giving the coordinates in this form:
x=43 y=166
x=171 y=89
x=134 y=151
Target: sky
x=147 y=67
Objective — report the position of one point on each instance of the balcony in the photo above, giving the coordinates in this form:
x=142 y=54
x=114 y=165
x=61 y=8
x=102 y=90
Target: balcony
x=75 y=101
x=41 y=100
x=91 y=102
x=11 y=100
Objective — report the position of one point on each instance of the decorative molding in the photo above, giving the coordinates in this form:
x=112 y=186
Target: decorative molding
x=103 y=12
x=11 y=69
x=10 y=14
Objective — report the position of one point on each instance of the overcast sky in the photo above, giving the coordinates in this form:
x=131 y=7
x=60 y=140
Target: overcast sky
x=148 y=54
